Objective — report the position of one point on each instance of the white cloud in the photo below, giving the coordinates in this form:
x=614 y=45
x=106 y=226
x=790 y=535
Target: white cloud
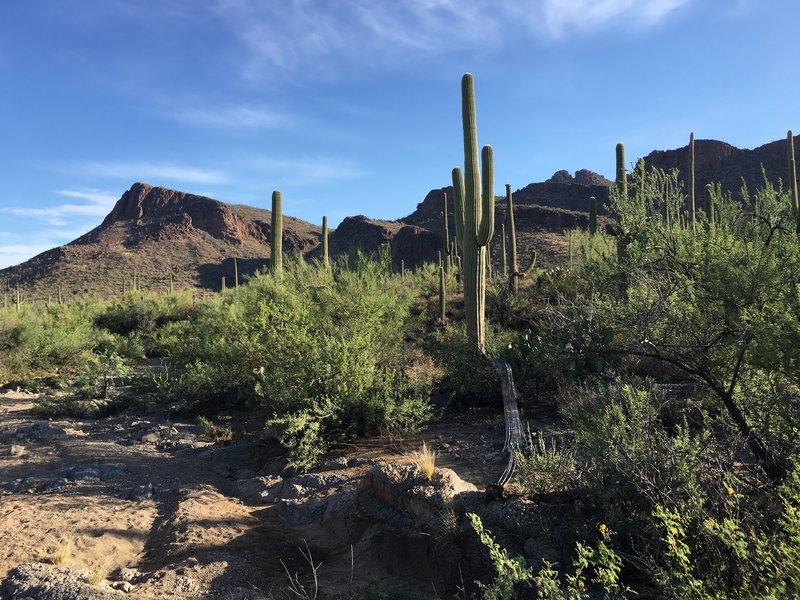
x=319 y=35
x=232 y=117
x=309 y=169
x=21 y=247
x=14 y=254
x=97 y=204
x=148 y=172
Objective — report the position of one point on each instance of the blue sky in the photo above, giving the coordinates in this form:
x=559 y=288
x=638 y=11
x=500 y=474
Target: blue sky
x=352 y=106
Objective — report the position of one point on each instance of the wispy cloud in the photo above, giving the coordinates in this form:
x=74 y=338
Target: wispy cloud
x=148 y=172
x=318 y=35
x=311 y=170
x=17 y=247
x=97 y=203
x=557 y=18
x=232 y=117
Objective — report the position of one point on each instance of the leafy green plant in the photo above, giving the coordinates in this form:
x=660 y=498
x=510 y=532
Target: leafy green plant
x=509 y=571
x=544 y=468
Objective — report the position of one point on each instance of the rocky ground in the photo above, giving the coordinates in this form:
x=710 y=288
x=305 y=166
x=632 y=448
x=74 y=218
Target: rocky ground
x=149 y=507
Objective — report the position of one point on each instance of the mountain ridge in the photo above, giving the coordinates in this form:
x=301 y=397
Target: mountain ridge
x=154 y=231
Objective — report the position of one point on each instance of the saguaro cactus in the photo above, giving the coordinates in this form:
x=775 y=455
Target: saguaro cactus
x=235 y=273
x=325 y=258
x=503 y=253
x=446 y=235
x=474 y=212
x=709 y=198
x=442 y=294
x=691 y=182
x=793 y=177
x=276 y=235
x=592 y=215
x=622 y=177
x=512 y=242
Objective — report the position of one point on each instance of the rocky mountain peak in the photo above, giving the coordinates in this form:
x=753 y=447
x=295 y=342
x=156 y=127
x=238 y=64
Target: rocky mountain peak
x=156 y=208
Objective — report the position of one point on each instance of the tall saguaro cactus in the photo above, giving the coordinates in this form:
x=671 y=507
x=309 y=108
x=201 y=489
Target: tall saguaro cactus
x=592 y=215
x=276 y=235
x=503 y=253
x=474 y=211
x=512 y=242
x=446 y=235
x=793 y=177
x=691 y=182
x=622 y=177
x=325 y=257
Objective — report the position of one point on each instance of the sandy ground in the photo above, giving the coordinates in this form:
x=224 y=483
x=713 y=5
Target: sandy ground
x=77 y=495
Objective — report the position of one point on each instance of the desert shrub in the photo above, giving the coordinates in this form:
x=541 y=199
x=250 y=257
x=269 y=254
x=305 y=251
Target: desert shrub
x=41 y=340
x=473 y=381
x=101 y=372
x=321 y=350
x=599 y=566
x=544 y=468
x=139 y=315
x=633 y=463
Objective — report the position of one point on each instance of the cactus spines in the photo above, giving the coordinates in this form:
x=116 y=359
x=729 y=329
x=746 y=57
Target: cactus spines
x=592 y=215
x=691 y=182
x=325 y=258
x=474 y=208
x=276 y=235
x=445 y=234
x=622 y=178
x=442 y=294
x=512 y=242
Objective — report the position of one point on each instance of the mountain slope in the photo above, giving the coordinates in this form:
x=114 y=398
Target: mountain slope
x=153 y=231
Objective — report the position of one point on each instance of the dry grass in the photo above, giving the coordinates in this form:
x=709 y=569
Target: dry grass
x=425 y=461
x=100 y=574
x=62 y=552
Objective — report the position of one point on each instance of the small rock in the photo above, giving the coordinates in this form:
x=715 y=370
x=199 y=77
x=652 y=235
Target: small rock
x=123 y=586
x=257 y=487
x=40 y=430
x=173 y=431
x=16 y=450
x=141 y=492
x=126 y=574
x=151 y=438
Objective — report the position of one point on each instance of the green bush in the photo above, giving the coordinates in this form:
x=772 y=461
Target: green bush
x=139 y=315
x=473 y=381
x=45 y=340
x=321 y=350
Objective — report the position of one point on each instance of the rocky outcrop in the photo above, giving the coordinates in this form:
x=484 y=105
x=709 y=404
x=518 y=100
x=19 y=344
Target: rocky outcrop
x=566 y=192
x=47 y=582
x=717 y=161
x=409 y=243
x=156 y=208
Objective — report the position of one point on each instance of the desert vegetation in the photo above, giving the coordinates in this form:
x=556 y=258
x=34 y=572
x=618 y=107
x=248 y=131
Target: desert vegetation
x=668 y=345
